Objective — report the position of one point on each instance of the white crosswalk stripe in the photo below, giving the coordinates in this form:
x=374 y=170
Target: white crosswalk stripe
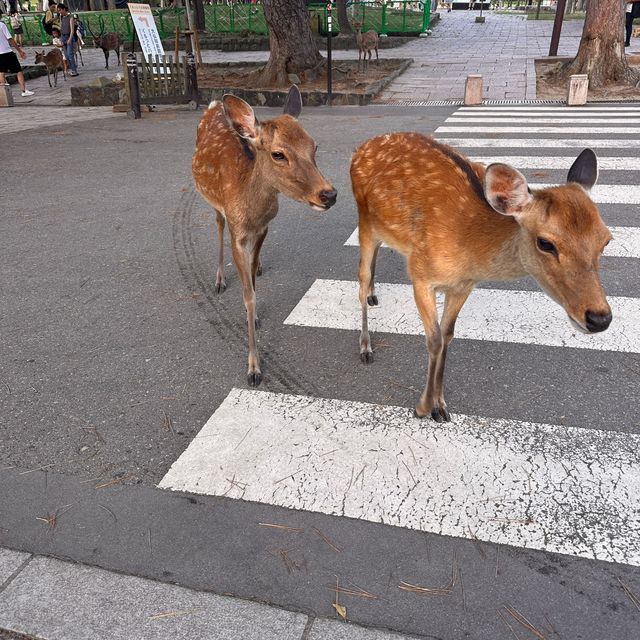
x=463 y=479
x=499 y=480
x=526 y=317
x=619 y=163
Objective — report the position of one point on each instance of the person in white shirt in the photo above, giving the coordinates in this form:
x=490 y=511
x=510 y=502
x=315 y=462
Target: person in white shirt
x=9 y=62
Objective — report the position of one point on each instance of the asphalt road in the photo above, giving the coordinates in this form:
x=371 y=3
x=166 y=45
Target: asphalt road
x=116 y=351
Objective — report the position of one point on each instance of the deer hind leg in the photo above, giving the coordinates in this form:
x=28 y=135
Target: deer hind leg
x=106 y=58
x=368 y=252
x=425 y=298
x=454 y=301
x=49 y=77
x=377 y=57
x=242 y=256
x=221 y=283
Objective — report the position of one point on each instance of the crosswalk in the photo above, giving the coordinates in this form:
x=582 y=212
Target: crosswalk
x=571 y=490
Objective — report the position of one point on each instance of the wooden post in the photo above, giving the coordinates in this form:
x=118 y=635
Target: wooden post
x=578 y=90
x=177 y=44
x=557 y=27
x=6 y=97
x=473 y=90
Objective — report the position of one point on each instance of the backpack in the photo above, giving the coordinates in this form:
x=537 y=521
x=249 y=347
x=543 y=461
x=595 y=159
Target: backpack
x=47 y=26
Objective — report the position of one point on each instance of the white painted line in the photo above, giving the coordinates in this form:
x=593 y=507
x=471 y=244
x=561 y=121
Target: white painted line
x=519 y=118
x=536 y=129
x=625 y=243
x=618 y=163
x=525 y=317
x=556 y=143
x=631 y=110
x=607 y=193
x=554 y=488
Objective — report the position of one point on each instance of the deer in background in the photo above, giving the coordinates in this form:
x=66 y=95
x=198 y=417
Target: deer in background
x=54 y=62
x=107 y=42
x=366 y=43
x=239 y=167
x=458 y=223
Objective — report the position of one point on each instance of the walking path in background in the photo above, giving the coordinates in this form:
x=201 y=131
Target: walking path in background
x=502 y=50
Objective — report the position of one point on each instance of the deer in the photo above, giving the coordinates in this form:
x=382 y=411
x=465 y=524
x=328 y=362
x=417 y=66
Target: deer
x=54 y=62
x=459 y=223
x=107 y=42
x=239 y=166
x=366 y=42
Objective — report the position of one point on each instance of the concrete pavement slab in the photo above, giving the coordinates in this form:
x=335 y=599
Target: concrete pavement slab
x=55 y=599
x=10 y=562
x=334 y=630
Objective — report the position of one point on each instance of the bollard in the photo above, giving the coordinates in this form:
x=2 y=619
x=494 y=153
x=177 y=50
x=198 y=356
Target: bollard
x=578 y=90
x=134 y=86
x=193 y=81
x=473 y=90
x=6 y=97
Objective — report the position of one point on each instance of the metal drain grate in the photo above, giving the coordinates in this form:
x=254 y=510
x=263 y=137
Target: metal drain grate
x=457 y=103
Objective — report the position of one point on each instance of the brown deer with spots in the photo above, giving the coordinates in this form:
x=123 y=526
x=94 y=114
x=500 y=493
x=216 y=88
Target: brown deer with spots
x=367 y=42
x=239 y=166
x=458 y=223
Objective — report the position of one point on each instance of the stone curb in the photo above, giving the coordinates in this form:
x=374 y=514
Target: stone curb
x=50 y=598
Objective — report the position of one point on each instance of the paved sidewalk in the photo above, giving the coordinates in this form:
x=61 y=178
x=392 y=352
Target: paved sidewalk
x=502 y=50
x=49 y=598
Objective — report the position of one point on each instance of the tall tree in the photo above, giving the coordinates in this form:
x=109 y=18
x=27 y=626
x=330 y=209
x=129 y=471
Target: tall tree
x=343 y=18
x=292 y=45
x=601 y=52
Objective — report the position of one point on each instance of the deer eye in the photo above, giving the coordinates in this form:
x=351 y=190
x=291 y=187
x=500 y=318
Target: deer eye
x=546 y=246
x=278 y=156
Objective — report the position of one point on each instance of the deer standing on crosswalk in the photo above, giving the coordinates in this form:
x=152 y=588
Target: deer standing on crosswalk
x=239 y=166
x=458 y=223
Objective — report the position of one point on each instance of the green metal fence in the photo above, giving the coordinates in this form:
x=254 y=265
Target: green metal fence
x=399 y=17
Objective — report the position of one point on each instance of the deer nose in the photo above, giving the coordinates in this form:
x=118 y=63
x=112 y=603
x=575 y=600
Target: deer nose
x=328 y=198
x=596 y=322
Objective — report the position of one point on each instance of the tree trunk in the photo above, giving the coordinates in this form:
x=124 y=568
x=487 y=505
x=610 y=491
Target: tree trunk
x=293 y=48
x=601 y=53
x=343 y=18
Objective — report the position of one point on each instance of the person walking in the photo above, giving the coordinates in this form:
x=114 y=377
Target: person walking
x=9 y=62
x=16 y=24
x=633 y=12
x=67 y=31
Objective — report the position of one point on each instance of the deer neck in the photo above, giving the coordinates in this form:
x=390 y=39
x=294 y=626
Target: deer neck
x=259 y=185
x=502 y=242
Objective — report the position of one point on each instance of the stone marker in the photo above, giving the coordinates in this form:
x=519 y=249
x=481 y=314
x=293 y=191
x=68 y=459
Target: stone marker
x=6 y=97
x=578 y=88
x=473 y=90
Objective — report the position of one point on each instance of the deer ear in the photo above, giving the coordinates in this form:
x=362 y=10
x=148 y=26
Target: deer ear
x=293 y=102
x=241 y=116
x=584 y=170
x=506 y=189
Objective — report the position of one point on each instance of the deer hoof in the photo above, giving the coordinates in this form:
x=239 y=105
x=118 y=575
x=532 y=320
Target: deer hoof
x=366 y=357
x=254 y=378
x=440 y=414
x=372 y=301
x=221 y=287
x=258 y=324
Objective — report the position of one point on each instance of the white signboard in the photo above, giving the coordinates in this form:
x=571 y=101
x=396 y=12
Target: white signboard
x=146 y=29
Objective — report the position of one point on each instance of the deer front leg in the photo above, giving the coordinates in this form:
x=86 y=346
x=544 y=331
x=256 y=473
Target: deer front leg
x=454 y=301
x=255 y=265
x=106 y=58
x=426 y=302
x=242 y=256
x=221 y=283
